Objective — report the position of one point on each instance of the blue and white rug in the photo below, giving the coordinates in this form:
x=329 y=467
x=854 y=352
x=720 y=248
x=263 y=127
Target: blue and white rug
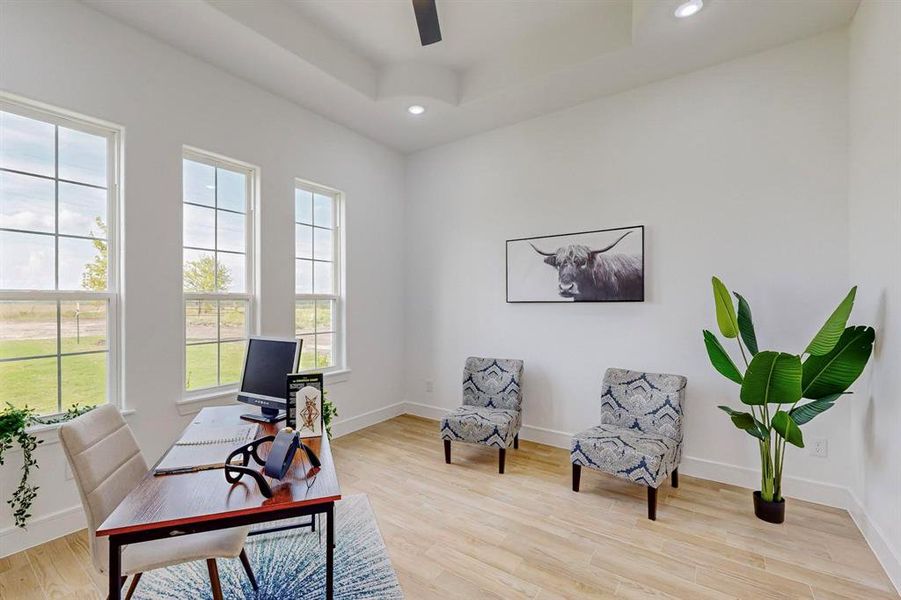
x=291 y=564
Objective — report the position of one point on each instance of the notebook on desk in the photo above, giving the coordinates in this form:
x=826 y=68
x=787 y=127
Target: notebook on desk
x=201 y=448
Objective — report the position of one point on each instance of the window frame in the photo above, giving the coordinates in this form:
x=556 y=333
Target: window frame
x=339 y=294
x=114 y=134
x=252 y=174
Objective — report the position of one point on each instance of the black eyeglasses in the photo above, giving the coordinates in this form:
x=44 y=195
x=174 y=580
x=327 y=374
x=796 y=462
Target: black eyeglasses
x=235 y=471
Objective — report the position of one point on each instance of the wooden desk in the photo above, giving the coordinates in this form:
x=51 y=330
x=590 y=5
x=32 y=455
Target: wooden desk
x=174 y=505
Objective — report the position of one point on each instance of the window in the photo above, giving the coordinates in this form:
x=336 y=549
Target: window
x=218 y=273
x=58 y=259
x=317 y=280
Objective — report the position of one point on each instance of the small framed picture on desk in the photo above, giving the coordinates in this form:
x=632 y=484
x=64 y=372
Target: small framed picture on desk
x=305 y=404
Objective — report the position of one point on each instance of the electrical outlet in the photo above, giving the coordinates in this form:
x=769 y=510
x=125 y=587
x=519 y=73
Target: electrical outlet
x=819 y=447
x=429 y=386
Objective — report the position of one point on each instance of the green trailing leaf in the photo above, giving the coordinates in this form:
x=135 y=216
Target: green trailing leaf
x=720 y=359
x=804 y=414
x=828 y=336
x=13 y=430
x=747 y=422
x=772 y=377
x=833 y=373
x=785 y=426
x=746 y=324
x=725 y=311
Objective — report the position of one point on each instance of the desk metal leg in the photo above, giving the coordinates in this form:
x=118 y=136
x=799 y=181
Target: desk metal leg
x=330 y=552
x=115 y=569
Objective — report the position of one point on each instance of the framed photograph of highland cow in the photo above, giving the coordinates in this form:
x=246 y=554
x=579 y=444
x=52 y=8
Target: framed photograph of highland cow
x=589 y=266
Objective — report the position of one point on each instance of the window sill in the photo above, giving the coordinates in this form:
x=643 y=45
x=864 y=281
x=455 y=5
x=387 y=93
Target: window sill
x=336 y=376
x=188 y=404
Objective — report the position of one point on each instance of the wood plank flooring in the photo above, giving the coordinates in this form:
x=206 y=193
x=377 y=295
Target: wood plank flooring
x=463 y=531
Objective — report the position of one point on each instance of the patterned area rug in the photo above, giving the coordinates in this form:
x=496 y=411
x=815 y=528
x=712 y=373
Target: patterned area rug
x=291 y=564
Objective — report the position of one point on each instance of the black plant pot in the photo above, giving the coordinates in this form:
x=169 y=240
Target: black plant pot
x=771 y=512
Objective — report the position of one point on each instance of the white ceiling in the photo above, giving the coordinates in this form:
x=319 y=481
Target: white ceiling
x=359 y=62
x=472 y=29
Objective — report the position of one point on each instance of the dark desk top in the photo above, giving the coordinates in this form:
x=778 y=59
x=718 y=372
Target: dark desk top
x=175 y=500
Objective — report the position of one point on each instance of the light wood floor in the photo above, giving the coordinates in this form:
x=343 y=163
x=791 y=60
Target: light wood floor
x=463 y=531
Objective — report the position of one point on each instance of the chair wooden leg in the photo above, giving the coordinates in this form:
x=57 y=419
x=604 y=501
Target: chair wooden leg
x=577 y=476
x=652 y=503
x=134 y=584
x=502 y=455
x=247 y=569
x=674 y=477
x=214 y=578
x=516 y=442
x=447 y=451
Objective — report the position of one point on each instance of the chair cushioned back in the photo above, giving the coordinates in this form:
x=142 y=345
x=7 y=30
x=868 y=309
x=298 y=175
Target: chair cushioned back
x=107 y=464
x=493 y=382
x=648 y=402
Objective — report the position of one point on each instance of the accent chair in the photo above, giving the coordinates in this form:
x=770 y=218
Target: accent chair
x=108 y=464
x=491 y=414
x=640 y=435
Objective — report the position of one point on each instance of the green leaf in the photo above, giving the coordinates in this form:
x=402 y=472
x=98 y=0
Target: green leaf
x=827 y=337
x=720 y=359
x=772 y=377
x=725 y=311
x=746 y=324
x=805 y=413
x=748 y=423
x=833 y=373
x=787 y=428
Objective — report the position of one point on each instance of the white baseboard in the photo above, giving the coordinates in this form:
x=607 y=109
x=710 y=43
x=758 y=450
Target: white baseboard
x=889 y=557
x=792 y=487
x=41 y=529
x=351 y=424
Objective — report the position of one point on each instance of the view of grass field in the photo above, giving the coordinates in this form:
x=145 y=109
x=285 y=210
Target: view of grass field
x=33 y=382
x=28 y=332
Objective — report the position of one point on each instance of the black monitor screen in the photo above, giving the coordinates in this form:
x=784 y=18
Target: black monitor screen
x=267 y=364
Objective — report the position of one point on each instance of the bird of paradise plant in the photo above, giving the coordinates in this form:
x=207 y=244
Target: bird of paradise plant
x=774 y=384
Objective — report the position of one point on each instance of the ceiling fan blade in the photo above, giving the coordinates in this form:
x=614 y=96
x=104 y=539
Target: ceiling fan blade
x=427 y=21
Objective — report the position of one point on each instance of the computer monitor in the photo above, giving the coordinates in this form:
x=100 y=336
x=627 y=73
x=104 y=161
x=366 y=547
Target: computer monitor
x=267 y=362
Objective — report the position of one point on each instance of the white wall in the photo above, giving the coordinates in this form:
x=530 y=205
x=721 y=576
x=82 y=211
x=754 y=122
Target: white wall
x=875 y=234
x=66 y=54
x=738 y=170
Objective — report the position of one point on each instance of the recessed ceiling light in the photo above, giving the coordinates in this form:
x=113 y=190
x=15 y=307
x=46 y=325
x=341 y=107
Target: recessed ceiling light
x=687 y=9
x=416 y=109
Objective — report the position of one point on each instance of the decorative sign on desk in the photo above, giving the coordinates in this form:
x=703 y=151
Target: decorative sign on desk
x=305 y=404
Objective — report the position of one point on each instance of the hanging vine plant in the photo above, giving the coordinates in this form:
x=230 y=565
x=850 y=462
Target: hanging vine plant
x=14 y=424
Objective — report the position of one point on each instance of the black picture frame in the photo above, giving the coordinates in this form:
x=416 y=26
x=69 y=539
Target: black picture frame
x=640 y=298
x=295 y=383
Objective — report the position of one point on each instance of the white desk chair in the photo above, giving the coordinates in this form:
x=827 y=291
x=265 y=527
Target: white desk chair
x=108 y=464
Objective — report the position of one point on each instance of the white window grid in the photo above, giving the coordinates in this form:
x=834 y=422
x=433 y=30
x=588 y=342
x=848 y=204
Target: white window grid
x=113 y=134
x=337 y=296
x=251 y=182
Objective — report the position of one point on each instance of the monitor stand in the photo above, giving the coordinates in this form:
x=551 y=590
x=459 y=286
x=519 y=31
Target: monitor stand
x=269 y=415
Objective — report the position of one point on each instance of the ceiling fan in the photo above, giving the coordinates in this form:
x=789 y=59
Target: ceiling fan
x=427 y=21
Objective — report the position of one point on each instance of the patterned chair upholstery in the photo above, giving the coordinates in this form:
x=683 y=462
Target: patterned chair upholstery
x=640 y=435
x=491 y=414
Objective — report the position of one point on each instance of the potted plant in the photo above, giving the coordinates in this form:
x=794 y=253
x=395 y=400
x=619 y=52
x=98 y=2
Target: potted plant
x=329 y=411
x=774 y=384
